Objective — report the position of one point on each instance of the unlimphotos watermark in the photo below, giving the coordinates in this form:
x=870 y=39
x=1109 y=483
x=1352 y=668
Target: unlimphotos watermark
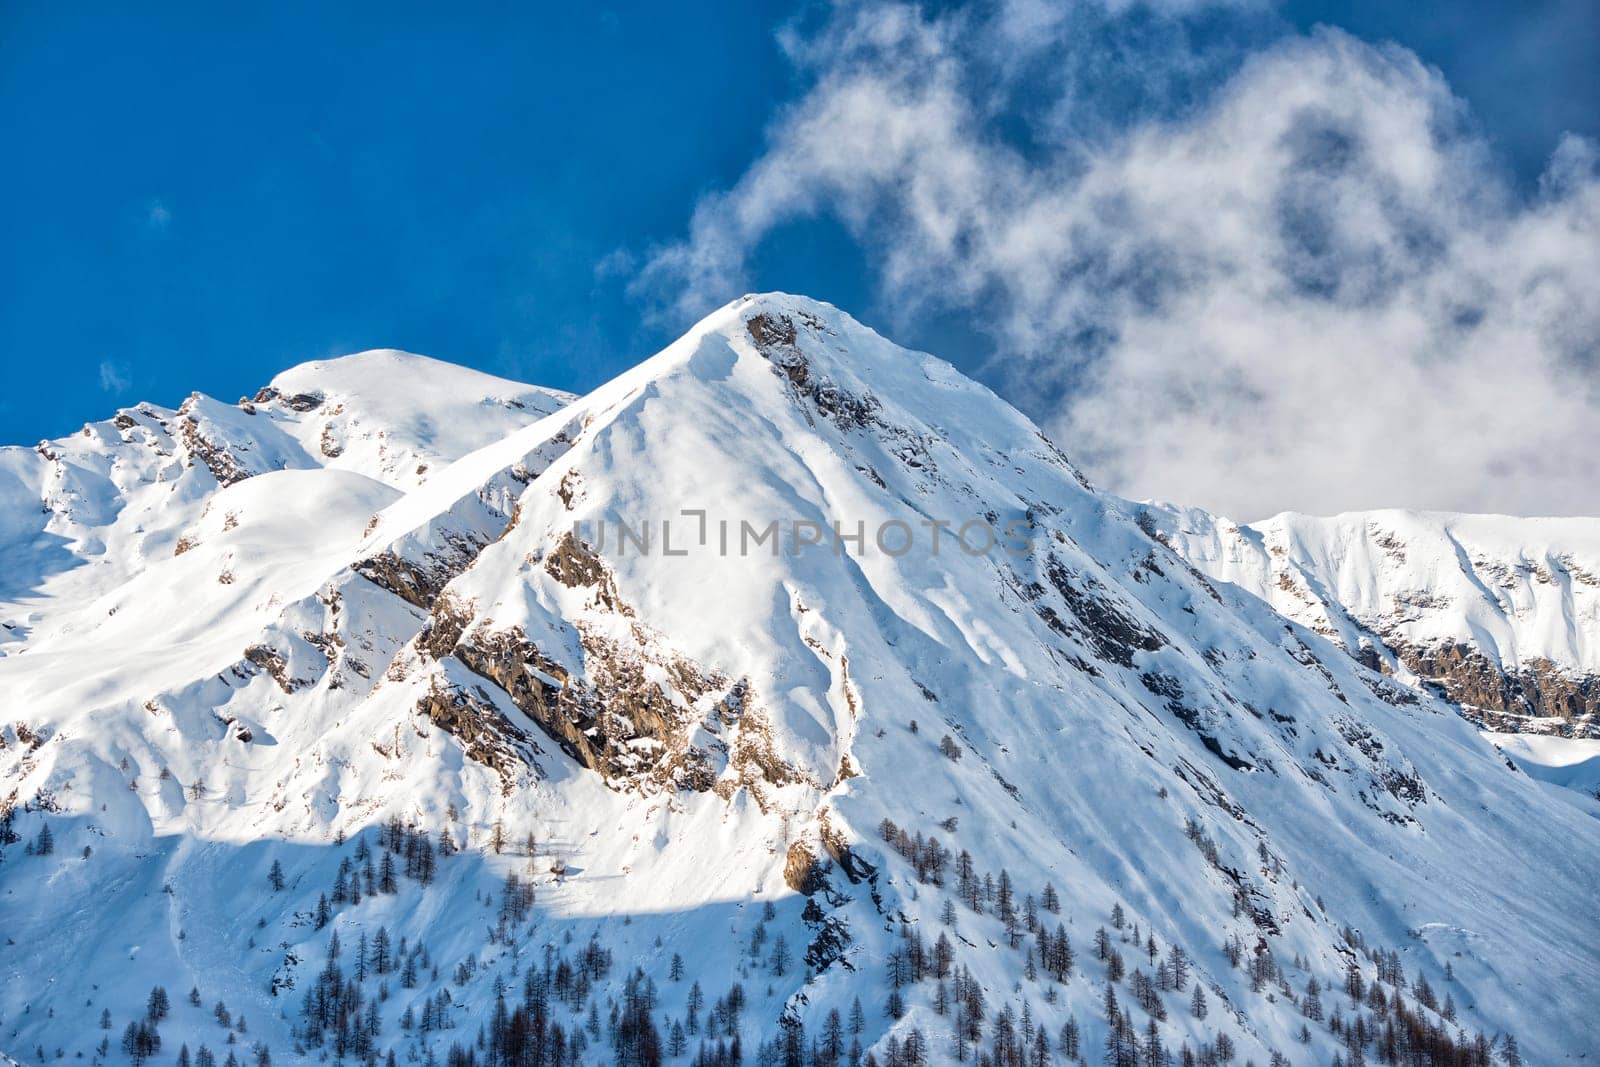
x=693 y=531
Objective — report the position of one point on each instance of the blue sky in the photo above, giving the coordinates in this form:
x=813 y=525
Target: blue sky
x=196 y=199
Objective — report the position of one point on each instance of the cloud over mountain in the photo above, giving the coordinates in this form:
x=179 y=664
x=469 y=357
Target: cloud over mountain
x=1244 y=269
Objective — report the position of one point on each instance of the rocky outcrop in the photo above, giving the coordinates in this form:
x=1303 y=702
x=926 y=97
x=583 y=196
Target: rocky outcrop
x=1494 y=614
x=273 y=662
x=854 y=866
x=575 y=565
x=1105 y=626
x=485 y=734
x=802 y=871
x=633 y=711
x=775 y=337
x=1504 y=698
x=420 y=580
x=224 y=466
x=619 y=722
x=301 y=402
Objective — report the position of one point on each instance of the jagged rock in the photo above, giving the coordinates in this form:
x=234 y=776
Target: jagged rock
x=1506 y=695
x=272 y=661
x=485 y=734
x=802 y=871
x=224 y=466
x=419 y=581
x=623 y=725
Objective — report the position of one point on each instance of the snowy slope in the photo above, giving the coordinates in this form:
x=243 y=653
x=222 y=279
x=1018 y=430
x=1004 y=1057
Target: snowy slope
x=715 y=750
x=1502 y=614
x=87 y=512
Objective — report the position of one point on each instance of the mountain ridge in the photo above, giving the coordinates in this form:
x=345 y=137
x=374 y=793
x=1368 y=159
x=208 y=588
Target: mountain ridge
x=1501 y=615
x=881 y=760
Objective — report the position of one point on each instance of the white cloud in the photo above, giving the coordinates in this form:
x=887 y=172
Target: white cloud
x=1310 y=290
x=157 y=216
x=113 y=377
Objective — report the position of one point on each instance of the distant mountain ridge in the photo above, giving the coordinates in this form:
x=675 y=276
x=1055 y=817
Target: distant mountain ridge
x=1500 y=615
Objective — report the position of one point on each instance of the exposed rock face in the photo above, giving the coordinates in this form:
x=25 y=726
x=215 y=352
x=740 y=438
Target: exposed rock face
x=485 y=734
x=273 y=662
x=575 y=565
x=224 y=466
x=802 y=871
x=632 y=720
x=775 y=337
x=419 y=581
x=1112 y=632
x=634 y=711
x=838 y=848
x=623 y=728
x=301 y=402
x=1505 y=699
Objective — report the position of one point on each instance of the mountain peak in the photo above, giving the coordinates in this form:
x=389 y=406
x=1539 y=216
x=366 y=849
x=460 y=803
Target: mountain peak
x=785 y=637
x=396 y=379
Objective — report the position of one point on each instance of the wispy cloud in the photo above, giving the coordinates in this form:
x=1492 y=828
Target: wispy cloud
x=157 y=216
x=1284 y=279
x=114 y=377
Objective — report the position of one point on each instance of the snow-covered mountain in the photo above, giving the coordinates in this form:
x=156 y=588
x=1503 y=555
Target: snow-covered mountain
x=403 y=711
x=1501 y=615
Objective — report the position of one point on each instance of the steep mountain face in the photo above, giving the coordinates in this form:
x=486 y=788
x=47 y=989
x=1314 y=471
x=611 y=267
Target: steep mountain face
x=1499 y=615
x=789 y=671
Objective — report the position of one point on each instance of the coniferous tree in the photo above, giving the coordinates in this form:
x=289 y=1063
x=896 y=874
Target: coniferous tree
x=1155 y=1053
x=696 y=1002
x=1071 y=1038
x=833 y=1037
x=140 y=1041
x=1179 y=961
x=780 y=956
x=382 y=963
x=1311 y=1006
x=677 y=1043
x=1049 y=900
x=1424 y=992
x=386 y=878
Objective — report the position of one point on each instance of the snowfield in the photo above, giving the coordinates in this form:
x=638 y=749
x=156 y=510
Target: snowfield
x=347 y=664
